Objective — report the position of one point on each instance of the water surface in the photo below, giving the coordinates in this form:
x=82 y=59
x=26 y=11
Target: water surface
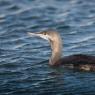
x=23 y=70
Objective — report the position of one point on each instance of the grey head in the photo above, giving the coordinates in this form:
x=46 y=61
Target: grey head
x=55 y=41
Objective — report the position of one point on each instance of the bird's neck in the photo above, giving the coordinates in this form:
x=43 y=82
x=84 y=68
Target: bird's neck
x=56 y=47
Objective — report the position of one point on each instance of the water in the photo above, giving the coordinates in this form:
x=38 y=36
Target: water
x=23 y=70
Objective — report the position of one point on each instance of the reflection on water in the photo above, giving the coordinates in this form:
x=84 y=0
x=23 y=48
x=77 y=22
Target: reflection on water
x=24 y=68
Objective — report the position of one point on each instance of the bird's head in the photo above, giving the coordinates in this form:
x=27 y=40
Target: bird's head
x=49 y=35
x=55 y=41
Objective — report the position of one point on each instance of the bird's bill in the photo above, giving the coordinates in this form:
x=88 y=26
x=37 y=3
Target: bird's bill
x=38 y=35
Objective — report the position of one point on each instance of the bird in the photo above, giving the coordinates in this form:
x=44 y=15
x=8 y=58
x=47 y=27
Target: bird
x=75 y=61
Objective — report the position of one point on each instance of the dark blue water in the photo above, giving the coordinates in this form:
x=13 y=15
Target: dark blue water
x=22 y=70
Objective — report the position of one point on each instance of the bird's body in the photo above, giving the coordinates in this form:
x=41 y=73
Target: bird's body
x=78 y=61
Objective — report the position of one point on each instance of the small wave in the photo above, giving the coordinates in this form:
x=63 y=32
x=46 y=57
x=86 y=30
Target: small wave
x=87 y=23
x=13 y=8
x=83 y=39
x=18 y=46
x=4 y=3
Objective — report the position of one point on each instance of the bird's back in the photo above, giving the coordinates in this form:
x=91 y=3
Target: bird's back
x=79 y=58
x=78 y=61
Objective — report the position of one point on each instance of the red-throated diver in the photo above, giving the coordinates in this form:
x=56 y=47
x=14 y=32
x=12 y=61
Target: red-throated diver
x=77 y=61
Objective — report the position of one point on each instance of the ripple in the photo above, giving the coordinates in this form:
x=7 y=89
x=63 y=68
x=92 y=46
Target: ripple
x=13 y=39
x=13 y=8
x=4 y=3
x=87 y=23
x=18 y=46
x=82 y=39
